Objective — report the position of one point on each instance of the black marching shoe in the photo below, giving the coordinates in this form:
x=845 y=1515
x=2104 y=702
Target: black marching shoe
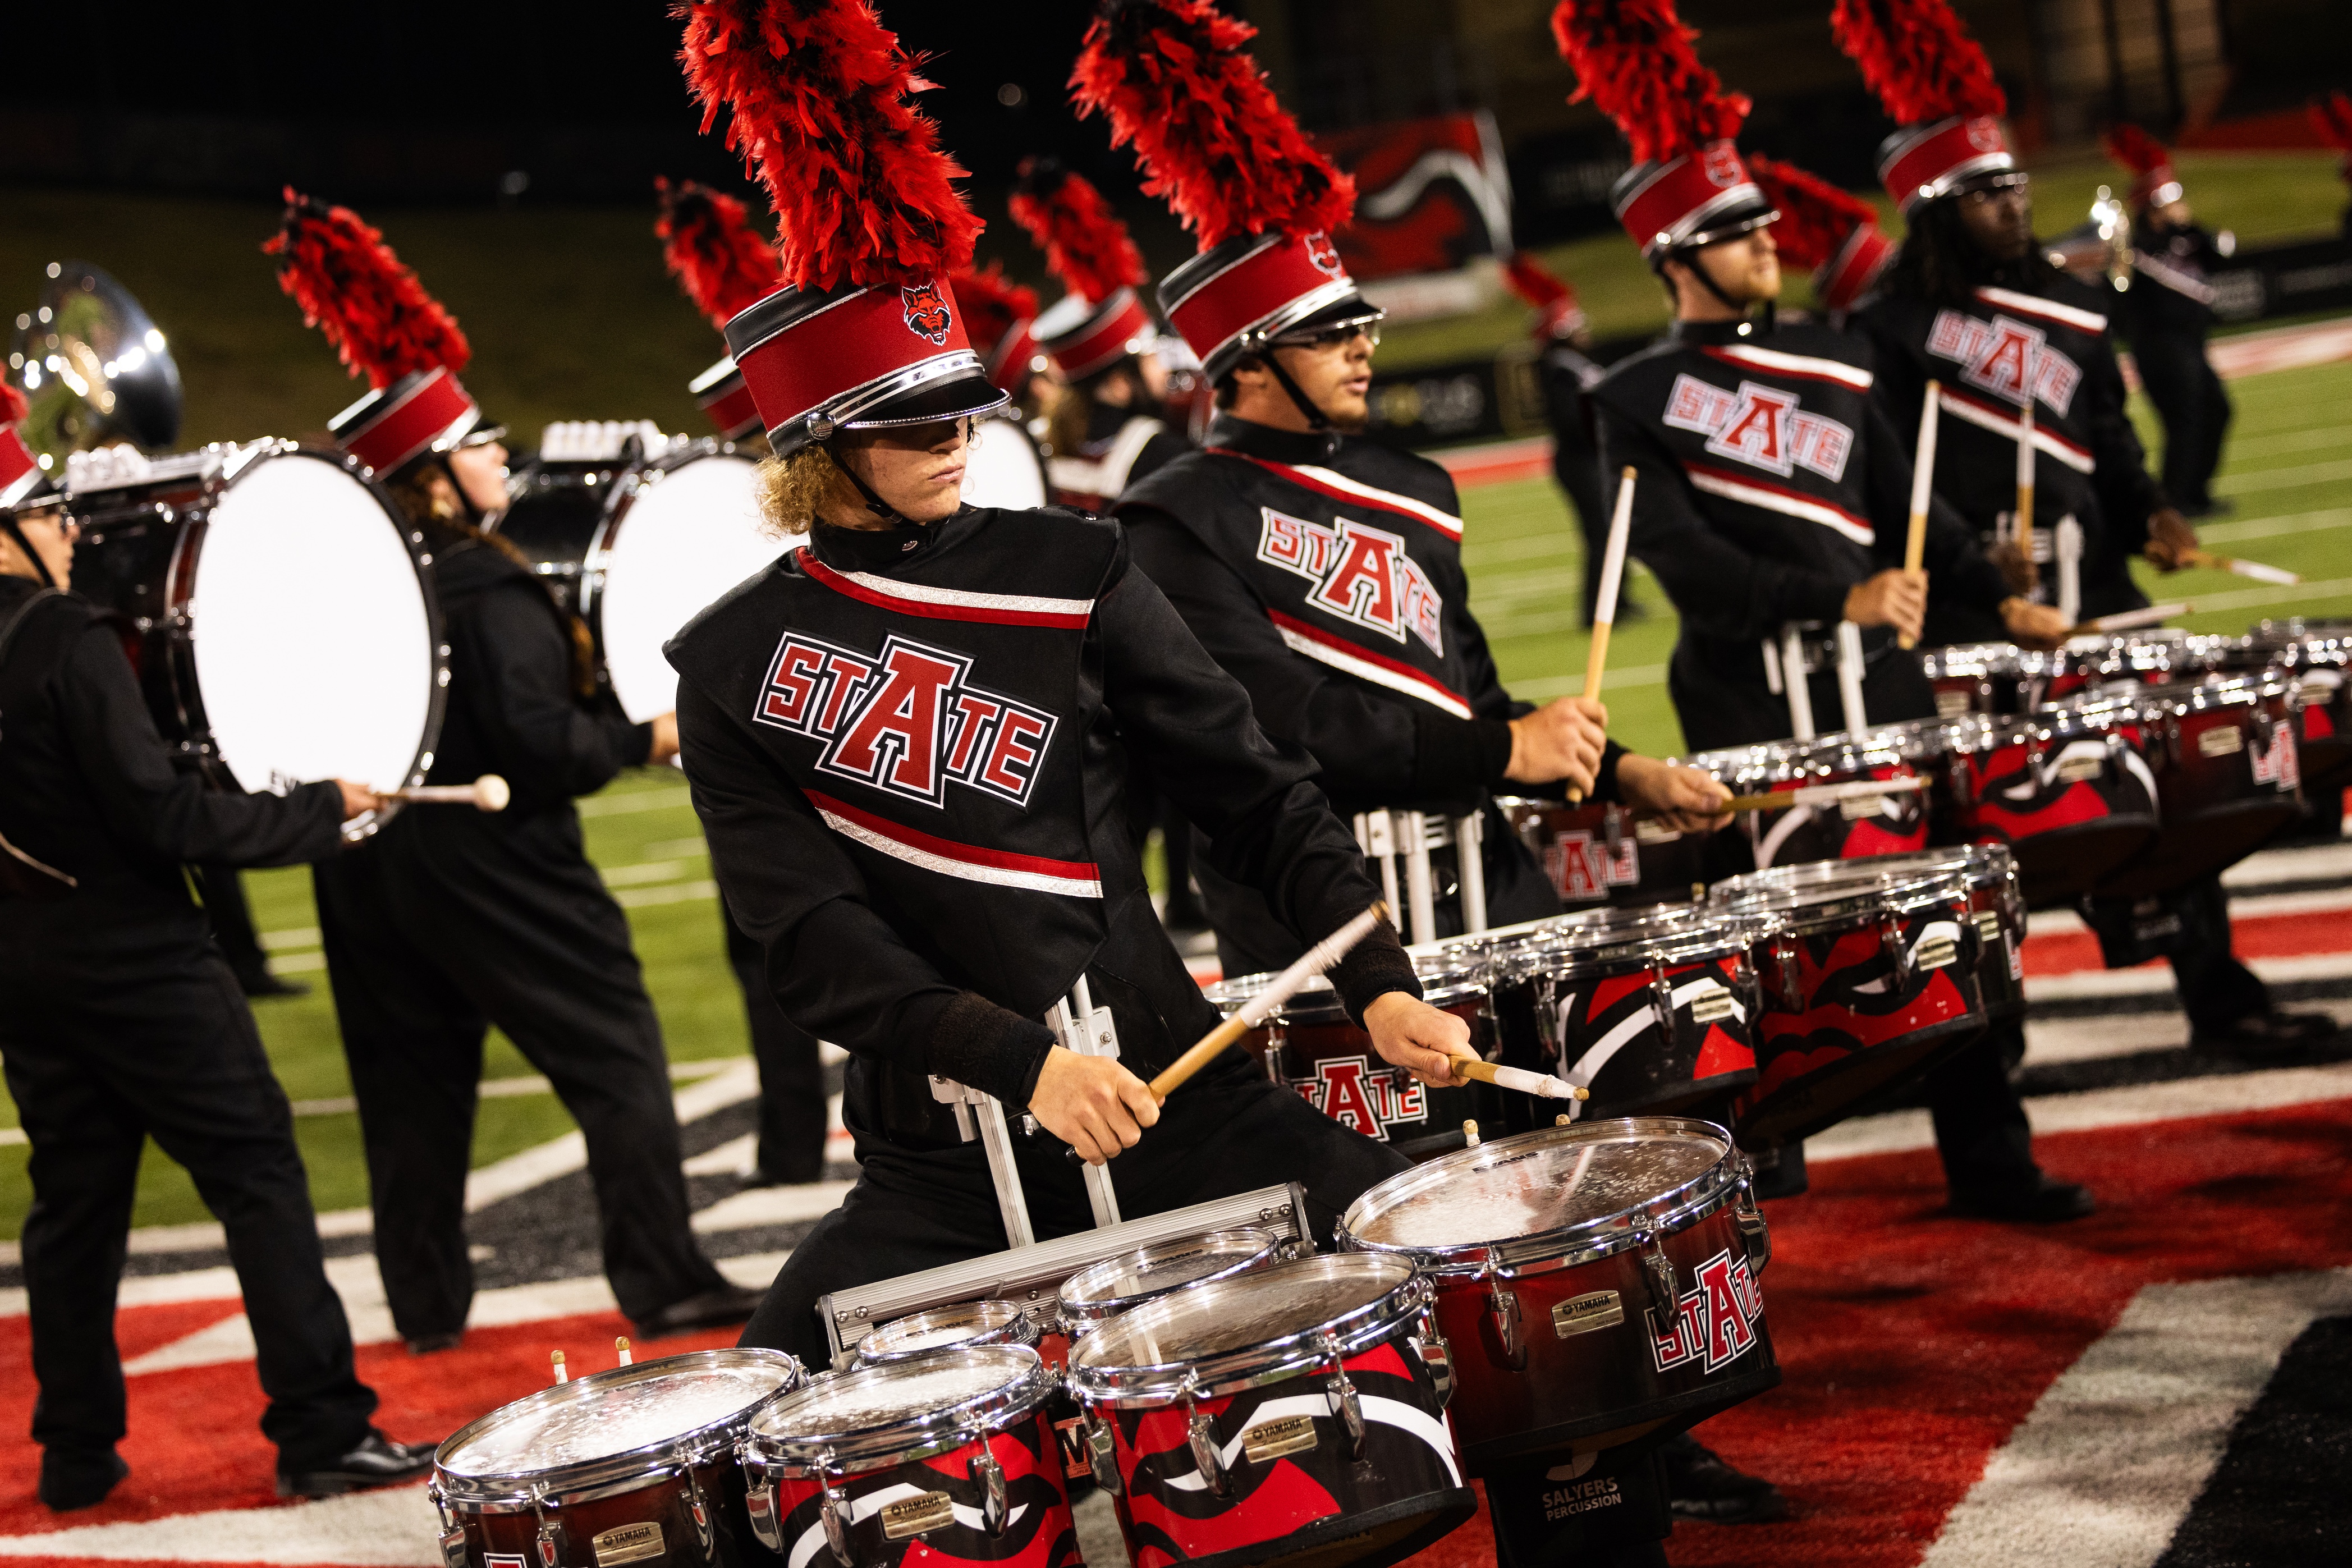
x=261 y=985
x=2043 y=1201
x=75 y=1481
x=710 y=1309
x=428 y=1344
x=2273 y=1033
x=378 y=1461
x=1700 y=1485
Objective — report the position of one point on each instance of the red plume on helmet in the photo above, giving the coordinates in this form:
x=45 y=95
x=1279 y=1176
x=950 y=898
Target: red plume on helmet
x=1086 y=244
x=817 y=94
x=992 y=302
x=1175 y=80
x=711 y=248
x=13 y=405
x=2148 y=159
x=1816 y=217
x=354 y=288
x=1550 y=293
x=1634 y=61
x=1919 y=59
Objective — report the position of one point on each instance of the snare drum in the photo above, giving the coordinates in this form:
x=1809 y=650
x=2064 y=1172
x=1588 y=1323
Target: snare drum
x=1310 y=1045
x=637 y=545
x=945 y=1458
x=1866 y=986
x=2223 y=754
x=1866 y=825
x=279 y=614
x=1974 y=678
x=1115 y=1285
x=1653 y=1011
x=633 y=1464
x=2065 y=788
x=1604 y=854
x=949 y=1328
x=1292 y=1415
x=1595 y=1283
x=2315 y=654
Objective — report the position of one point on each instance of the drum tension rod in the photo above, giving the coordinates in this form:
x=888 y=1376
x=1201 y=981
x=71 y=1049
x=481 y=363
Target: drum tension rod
x=833 y=1506
x=551 y=1534
x=698 y=1510
x=1203 y=1436
x=1101 y=1453
x=986 y=1474
x=1345 y=1404
x=1658 y=1275
x=1509 y=1348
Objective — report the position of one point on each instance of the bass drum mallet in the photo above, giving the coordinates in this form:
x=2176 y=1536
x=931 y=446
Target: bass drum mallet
x=489 y=793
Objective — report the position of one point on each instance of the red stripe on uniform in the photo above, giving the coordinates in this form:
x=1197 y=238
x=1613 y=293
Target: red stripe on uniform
x=949 y=850
x=1366 y=495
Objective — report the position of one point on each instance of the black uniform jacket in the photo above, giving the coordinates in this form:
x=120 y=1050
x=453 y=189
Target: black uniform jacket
x=1122 y=446
x=88 y=787
x=2171 y=290
x=1985 y=353
x=1768 y=483
x=909 y=748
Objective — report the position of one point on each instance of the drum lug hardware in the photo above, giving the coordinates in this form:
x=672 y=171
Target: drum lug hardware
x=1101 y=1456
x=1658 y=1275
x=1784 y=949
x=1890 y=942
x=989 y=1477
x=1755 y=1233
x=759 y=1499
x=1547 y=1018
x=1276 y=1040
x=1509 y=1346
x=833 y=1508
x=1345 y=1403
x=1200 y=1431
x=550 y=1539
x=1662 y=996
x=698 y=1510
x=452 y=1536
x=1429 y=1344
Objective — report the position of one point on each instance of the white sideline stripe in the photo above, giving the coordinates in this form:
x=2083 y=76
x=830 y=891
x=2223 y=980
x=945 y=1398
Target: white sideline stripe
x=394 y=1528
x=2308 y=864
x=2104 y=1469
x=2241 y=483
x=562 y=1156
x=757 y=1206
x=1900 y=1132
x=1613 y=680
x=2157 y=979
x=635 y=800
x=2115 y=1034
x=677 y=893
x=2242 y=906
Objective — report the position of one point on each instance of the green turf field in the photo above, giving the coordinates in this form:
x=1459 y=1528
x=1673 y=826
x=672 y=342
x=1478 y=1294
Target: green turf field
x=2288 y=471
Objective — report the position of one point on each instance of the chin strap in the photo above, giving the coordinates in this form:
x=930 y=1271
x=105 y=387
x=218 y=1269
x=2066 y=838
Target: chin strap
x=1317 y=420
x=874 y=503
x=41 y=567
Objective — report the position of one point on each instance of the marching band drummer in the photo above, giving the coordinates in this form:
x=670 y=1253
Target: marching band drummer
x=122 y=1022
x=453 y=919
x=907 y=744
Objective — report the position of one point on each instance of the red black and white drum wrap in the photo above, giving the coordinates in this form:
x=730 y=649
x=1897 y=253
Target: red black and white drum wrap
x=2315 y=655
x=1596 y=1283
x=1864 y=989
x=1605 y=854
x=2228 y=777
x=1866 y=825
x=947 y=1457
x=2066 y=788
x=1325 y=1442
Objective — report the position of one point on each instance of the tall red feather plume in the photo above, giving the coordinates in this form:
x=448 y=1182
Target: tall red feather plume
x=13 y=405
x=816 y=92
x=711 y=248
x=1633 y=59
x=1531 y=280
x=1919 y=59
x=991 y=302
x=1816 y=217
x=354 y=288
x=1174 y=81
x=2136 y=150
x=2331 y=118
x=1085 y=244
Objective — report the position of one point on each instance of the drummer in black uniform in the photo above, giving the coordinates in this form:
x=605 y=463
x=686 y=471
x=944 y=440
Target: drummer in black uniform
x=452 y=920
x=122 y=1022
x=907 y=744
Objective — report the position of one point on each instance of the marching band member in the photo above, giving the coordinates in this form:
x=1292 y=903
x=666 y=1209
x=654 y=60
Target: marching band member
x=907 y=740
x=1563 y=335
x=123 y=1023
x=1973 y=299
x=449 y=920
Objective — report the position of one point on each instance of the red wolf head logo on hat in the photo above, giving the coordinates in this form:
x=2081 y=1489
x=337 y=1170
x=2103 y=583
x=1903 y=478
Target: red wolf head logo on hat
x=927 y=311
x=1721 y=164
x=1323 y=253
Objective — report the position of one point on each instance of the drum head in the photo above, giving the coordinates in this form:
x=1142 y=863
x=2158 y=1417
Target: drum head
x=632 y=1411
x=1137 y=1276
x=1001 y=467
x=945 y=1326
x=1248 y=1312
x=902 y=1407
x=692 y=533
x=315 y=638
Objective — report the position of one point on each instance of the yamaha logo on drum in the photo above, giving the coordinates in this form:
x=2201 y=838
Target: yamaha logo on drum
x=1370 y=1099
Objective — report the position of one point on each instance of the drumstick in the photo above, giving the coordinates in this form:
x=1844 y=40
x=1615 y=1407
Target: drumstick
x=2129 y=620
x=1923 y=479
x=1604 y=603
x=2258 y=571
x=489 y=793
x=1541 y=1085
x=2025 y=482
x=1820 y=794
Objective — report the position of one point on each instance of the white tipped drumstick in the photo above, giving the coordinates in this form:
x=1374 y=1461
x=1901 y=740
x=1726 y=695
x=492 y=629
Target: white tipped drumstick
x=2130 y=620
x=1604 y=603
x=555 y=1365
x=2261 y=572
x=1820 y=794
x=489 y=793
x=1541 y=1085
x=1923 y=484
x=2025 y=482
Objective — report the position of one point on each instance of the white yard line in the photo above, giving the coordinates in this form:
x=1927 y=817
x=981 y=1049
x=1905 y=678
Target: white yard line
x=635 y=800
x=2157 y=979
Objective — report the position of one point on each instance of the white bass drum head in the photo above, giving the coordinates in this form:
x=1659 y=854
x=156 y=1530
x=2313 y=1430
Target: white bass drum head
x=693 y=532
x=1002 y=469
x=311 y=630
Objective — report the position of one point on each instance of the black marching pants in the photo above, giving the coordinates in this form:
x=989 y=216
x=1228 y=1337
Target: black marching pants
x=1229 y=1130
x=169 y=1050
x=420 y=970
x=2195 y=409
x=1981 y=1132
x=792 y=1072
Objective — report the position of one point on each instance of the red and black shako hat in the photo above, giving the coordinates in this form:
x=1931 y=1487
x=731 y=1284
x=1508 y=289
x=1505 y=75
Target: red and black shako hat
x=1688 y=186
x=1559 y=314
x=1100 y=320
x=384 y=326
x=1175 y=80
x=1935 y=83
x=2155 y=182
x=20 y=469
x=1833 y=233
x=871 y=232
x=722 y=264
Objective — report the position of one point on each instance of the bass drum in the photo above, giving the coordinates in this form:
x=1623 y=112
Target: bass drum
x=277 y=611
x=637 y=547
x=1002 y=467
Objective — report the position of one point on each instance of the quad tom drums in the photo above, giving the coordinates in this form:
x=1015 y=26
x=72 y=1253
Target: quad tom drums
x=1102 y=1291
x=633 y=1464
x=2228 y=777
x=2066 y=788
x=278 y=612
x=1594 y=1283
x=1605 y=855
x=1865 y=825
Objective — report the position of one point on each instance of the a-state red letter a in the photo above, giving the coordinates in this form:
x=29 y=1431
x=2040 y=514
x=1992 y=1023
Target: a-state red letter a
x=909 y=705
x=1363 y=588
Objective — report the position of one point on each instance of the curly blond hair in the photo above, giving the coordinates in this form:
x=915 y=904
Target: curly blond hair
x=791 y=489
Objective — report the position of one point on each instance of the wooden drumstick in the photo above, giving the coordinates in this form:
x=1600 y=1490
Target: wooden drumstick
x=2025 y=483
x=2130 y=620
x=1922 y=480
x=1604 y=603
x=1820 y=794
x=489 y=793
x=1543 y=1086
x=2259 y=571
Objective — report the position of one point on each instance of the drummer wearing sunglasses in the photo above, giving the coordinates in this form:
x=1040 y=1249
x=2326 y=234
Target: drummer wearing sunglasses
x=123 y=1023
